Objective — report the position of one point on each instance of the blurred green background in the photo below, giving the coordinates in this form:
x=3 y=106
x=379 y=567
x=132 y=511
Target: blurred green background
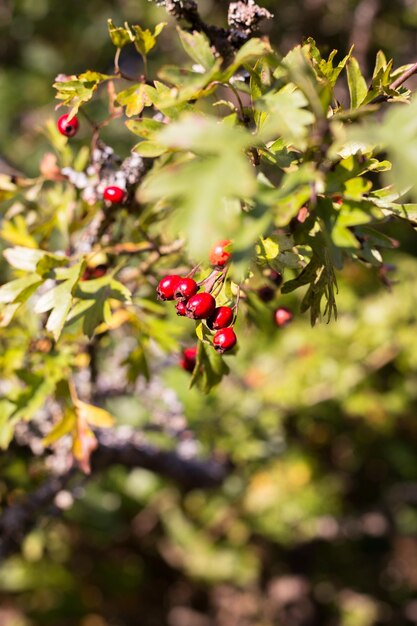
x=316 y=525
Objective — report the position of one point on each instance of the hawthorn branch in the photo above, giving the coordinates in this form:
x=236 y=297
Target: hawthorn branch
x=114 y=448
x=244 y=17
x=131 y=451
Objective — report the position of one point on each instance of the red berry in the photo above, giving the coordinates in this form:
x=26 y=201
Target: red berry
x=113 y=194
x=218 y=255
x=201 y=306
x=166 y=287
x=302 y=215
x=189 y=356
x=186 y=288
x=222 y=317
x=181 y=308
x=90 y=273
x=224 y=339
x=276 y=278
x=283 y=316
x=266 y=293
x=69 y=129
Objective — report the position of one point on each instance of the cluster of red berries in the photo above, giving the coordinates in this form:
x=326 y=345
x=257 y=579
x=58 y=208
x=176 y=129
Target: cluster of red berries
x=69 y=128
x=198 y=305
x=282 y=315
x=184 y=289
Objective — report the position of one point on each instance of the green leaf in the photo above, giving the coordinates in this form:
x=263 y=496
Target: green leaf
x=6 y=424
x=320 y=276
x=204 y=135
x=79 y=89
x=189 y=84
x=93 y=306
x=203 y=333
x=145 y=127
x=163 y=99
x=396 y=134
x=250 y=51
x=199 y=186
x=31 y=260
x=119 y=35
x=8 y=189
x=15 y=231
x=299 y=69
x=144 y=40
x=134 y=99
x=277 y=252
x=260 y=82
x=64 y=427
x=197 y=46
x=287 y=115
x=292 y=193
x=58 y=300
x=137 y=364
x=149 y=149
x=325 y=67
x=19 y=290
x=357 y=85
x=209 y=369
x=33 y=398
x=25 y=259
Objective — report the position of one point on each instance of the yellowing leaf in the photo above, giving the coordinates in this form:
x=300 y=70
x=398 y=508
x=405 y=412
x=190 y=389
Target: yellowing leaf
x=144 y=40
x=134 y=98
x=84 y=443
x=61 y=428
x=120 y=35
x=94 y=415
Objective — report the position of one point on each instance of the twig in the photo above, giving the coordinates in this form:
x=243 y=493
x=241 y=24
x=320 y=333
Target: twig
x=405 y=76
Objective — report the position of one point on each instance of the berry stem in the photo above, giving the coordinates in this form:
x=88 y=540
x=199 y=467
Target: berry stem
x=236 y=306
x=194 y=271
x=209 y=281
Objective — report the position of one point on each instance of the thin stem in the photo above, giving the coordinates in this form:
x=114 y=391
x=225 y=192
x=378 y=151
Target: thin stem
x=405 y=76
x=73 y=391
x=145 y=67
x=219 y=282
x=116 y=61
x=117 y=70
x=240 y=103
x=236 y=307
x=194 y=271
x=88 y=118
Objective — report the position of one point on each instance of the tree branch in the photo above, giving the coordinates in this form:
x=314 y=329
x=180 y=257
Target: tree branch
x=132 y=451
x=244 y=17
x=128 y=450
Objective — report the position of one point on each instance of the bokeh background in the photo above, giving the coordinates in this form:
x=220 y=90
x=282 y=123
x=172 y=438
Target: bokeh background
x=316 y=525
